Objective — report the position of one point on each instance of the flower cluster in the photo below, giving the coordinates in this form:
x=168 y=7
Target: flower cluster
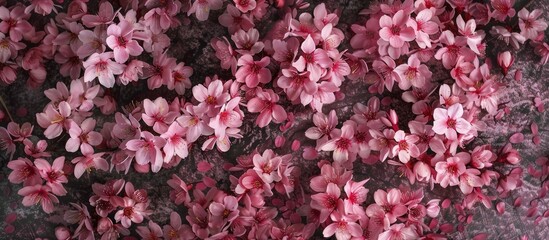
x=433 y=74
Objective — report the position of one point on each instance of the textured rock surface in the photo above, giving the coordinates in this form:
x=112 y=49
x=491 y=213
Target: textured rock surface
x=190 y=43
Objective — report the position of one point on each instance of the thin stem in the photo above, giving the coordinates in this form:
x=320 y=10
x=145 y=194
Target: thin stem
x=6 y=108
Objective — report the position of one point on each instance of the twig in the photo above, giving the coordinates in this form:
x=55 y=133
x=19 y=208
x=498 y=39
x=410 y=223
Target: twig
x=6 y=108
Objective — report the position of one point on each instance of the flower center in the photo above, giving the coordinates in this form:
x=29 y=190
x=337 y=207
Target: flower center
x=343 y=143
x=451 y=123
x=395 y=30
x=128 y=211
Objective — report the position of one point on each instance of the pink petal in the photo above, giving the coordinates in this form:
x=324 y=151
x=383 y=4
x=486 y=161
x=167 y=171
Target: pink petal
x=516 y=138
x=204 y=166
x=500 y=207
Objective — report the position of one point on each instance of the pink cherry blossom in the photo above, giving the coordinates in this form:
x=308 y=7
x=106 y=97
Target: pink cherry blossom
x=247 y=42
x=390 y=203
x=131 y=212
x=449 y=171
x=265 y=104
x=234 y=20
x=161 y=70
x=53 y=174
x=14 y=22
x=191 y=120
x=211 y=99
x=330 y=174
x=327 y=202
x=267 y=166
x=177 y=230
x=343 y=226
x=394 y=30
x=405 y=146
x=121 y=41
x=83 y=137
x=158 y=115
x=413 y=74
x=87 y=162
x=38 y=194
x=9 y=48
x=503 y=9
x=253 y=72
x=23 y=171
x=150 y=232
x=342 y=144
x=180 y=78
x=450 y=122
x=505 y=60
x=315 y=60
x=148 y=150
x=20 y=133
x=298 y=86
x=175 y=144
x=104 y=16
x=101 y=66
x=529 y=25
x=454 y=47
x=356 y=195
x=37 y=150
x=54 y=120
x=180 y=190
x=398 y=231
x=202 y=8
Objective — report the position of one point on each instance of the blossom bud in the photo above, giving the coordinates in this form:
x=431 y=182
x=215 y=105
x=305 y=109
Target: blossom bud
x=505 y=60
x=62 y=233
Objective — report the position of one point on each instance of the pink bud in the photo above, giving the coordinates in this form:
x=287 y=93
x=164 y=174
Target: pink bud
x=296 y=144
x=386 y=101
x=480 y=236
x=446 y=203
x=518 y=202
x=63 y=233
x=505 y=60
x=518 y=75
x=279 y=141
x=536 y=140
x=534 y=128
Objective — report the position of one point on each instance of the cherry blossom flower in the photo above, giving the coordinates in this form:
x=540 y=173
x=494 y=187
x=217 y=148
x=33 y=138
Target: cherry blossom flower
x=424 y=27
x=202 y=8
x=20 y=133
x=148 y=150
x=104 y=16
x=253 y=72
x=234 y=20
x=82 y=137
x=503 y=9
x=53 y=174
x=191 y=120
x=42 y=7
x=38 y=194
x=225 y=53
x=87 y=162
x=394 y=30
x=454 y=47
x=265 y=104
x=161 y=70
x=405 y=146
x=177 y=230
x=23 y=171
x=513 y=38
x=330 y=174
x=230 y=116
x=157 y=114
x=344 y=226
x=267 y=166
x=450 y=122
x=413 y=74
x=390 y=203
x=398 y=231
x=54 y=120
x=175 y=144
x=211 y=99
x=37 y=150
x=150 y=232
x=225 y=211
x=131 y=212
x=14 y=22
x=327 y=202
x=180 y=78
x=449 y=171
x=315 y=60
x=356 y=195
x=529 y=25
x=9 y=48
x=298 y=86
x=6 y=142
x=247 y=42
x=120 y=40
x=180 y=190
x=100 y=66
x=343 y=145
